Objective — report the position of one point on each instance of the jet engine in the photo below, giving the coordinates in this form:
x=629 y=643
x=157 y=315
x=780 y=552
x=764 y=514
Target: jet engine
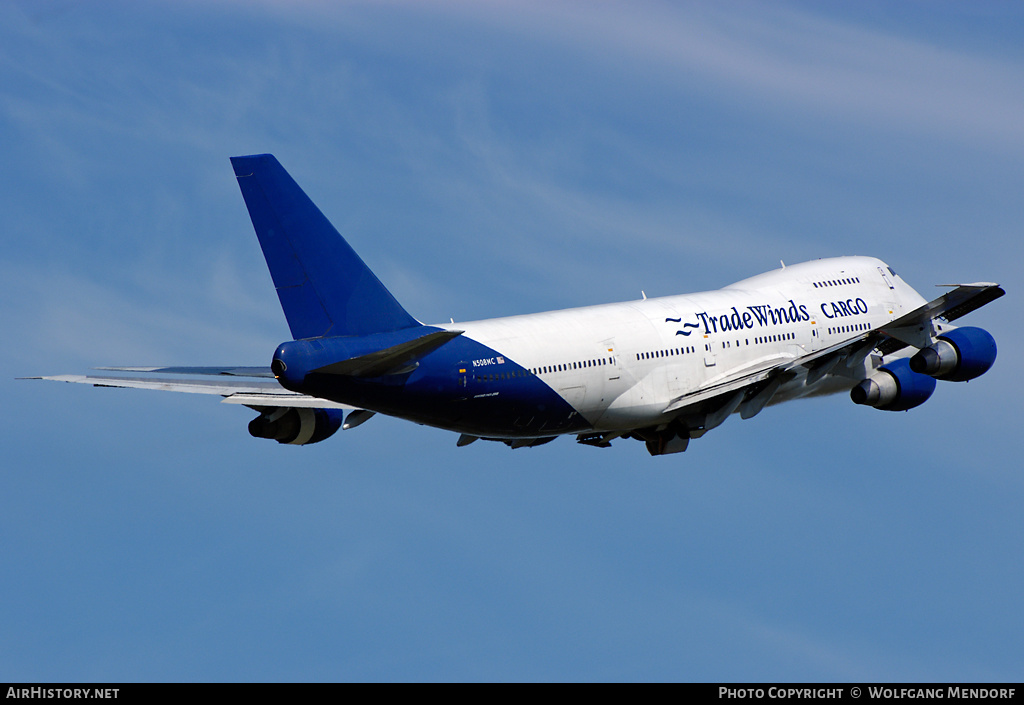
x=672 y=439
x=957 y=356
x=296 y=426
x=894 y=387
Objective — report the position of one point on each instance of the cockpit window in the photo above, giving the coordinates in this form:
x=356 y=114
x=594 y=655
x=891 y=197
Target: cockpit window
x=891 y=271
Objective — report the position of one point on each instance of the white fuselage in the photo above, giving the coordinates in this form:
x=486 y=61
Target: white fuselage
x=620 y=365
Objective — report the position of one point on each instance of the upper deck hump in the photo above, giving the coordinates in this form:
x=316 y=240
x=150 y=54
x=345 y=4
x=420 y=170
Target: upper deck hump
x=825 y=268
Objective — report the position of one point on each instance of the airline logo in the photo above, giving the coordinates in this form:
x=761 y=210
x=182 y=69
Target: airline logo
x=841 y=309
x=765 y=315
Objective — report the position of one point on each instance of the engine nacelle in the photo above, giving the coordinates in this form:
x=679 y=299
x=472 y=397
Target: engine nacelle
x=894 y=387
x=672 y=439
x=957 y=356
x=296 y=426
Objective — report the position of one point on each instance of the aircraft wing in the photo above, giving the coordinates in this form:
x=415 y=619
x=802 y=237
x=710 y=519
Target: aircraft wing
x=226 y=371
x=254 y=393
x=915 y=328
x=750 y=388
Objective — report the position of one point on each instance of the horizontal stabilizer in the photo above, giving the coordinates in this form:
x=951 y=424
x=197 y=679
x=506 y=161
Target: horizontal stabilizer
x=393 y=360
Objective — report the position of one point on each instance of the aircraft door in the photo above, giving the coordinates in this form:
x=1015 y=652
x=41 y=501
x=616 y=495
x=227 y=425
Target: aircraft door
x=890 y=299
x=816 y=341
x=614 y=366
x=464 y=373
x=709 y=353
x=886 y=278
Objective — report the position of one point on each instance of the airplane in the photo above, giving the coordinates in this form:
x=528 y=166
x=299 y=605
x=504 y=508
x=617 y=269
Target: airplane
x=659 y=370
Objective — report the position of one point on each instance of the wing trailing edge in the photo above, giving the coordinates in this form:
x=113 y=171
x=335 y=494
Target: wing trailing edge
x=254 y=394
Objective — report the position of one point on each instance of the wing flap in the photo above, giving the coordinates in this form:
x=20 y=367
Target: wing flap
x=298 y=401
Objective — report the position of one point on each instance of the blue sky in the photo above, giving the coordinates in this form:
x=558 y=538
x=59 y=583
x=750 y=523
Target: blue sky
x=489 y=159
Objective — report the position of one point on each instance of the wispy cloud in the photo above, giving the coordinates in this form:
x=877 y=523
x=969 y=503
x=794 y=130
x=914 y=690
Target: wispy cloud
x=776 y=58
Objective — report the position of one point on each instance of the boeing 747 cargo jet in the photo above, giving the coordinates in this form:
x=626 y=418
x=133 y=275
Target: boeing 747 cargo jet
x=658 y=370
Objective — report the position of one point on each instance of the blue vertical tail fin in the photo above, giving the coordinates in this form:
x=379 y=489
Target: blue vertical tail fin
x=324 y=287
